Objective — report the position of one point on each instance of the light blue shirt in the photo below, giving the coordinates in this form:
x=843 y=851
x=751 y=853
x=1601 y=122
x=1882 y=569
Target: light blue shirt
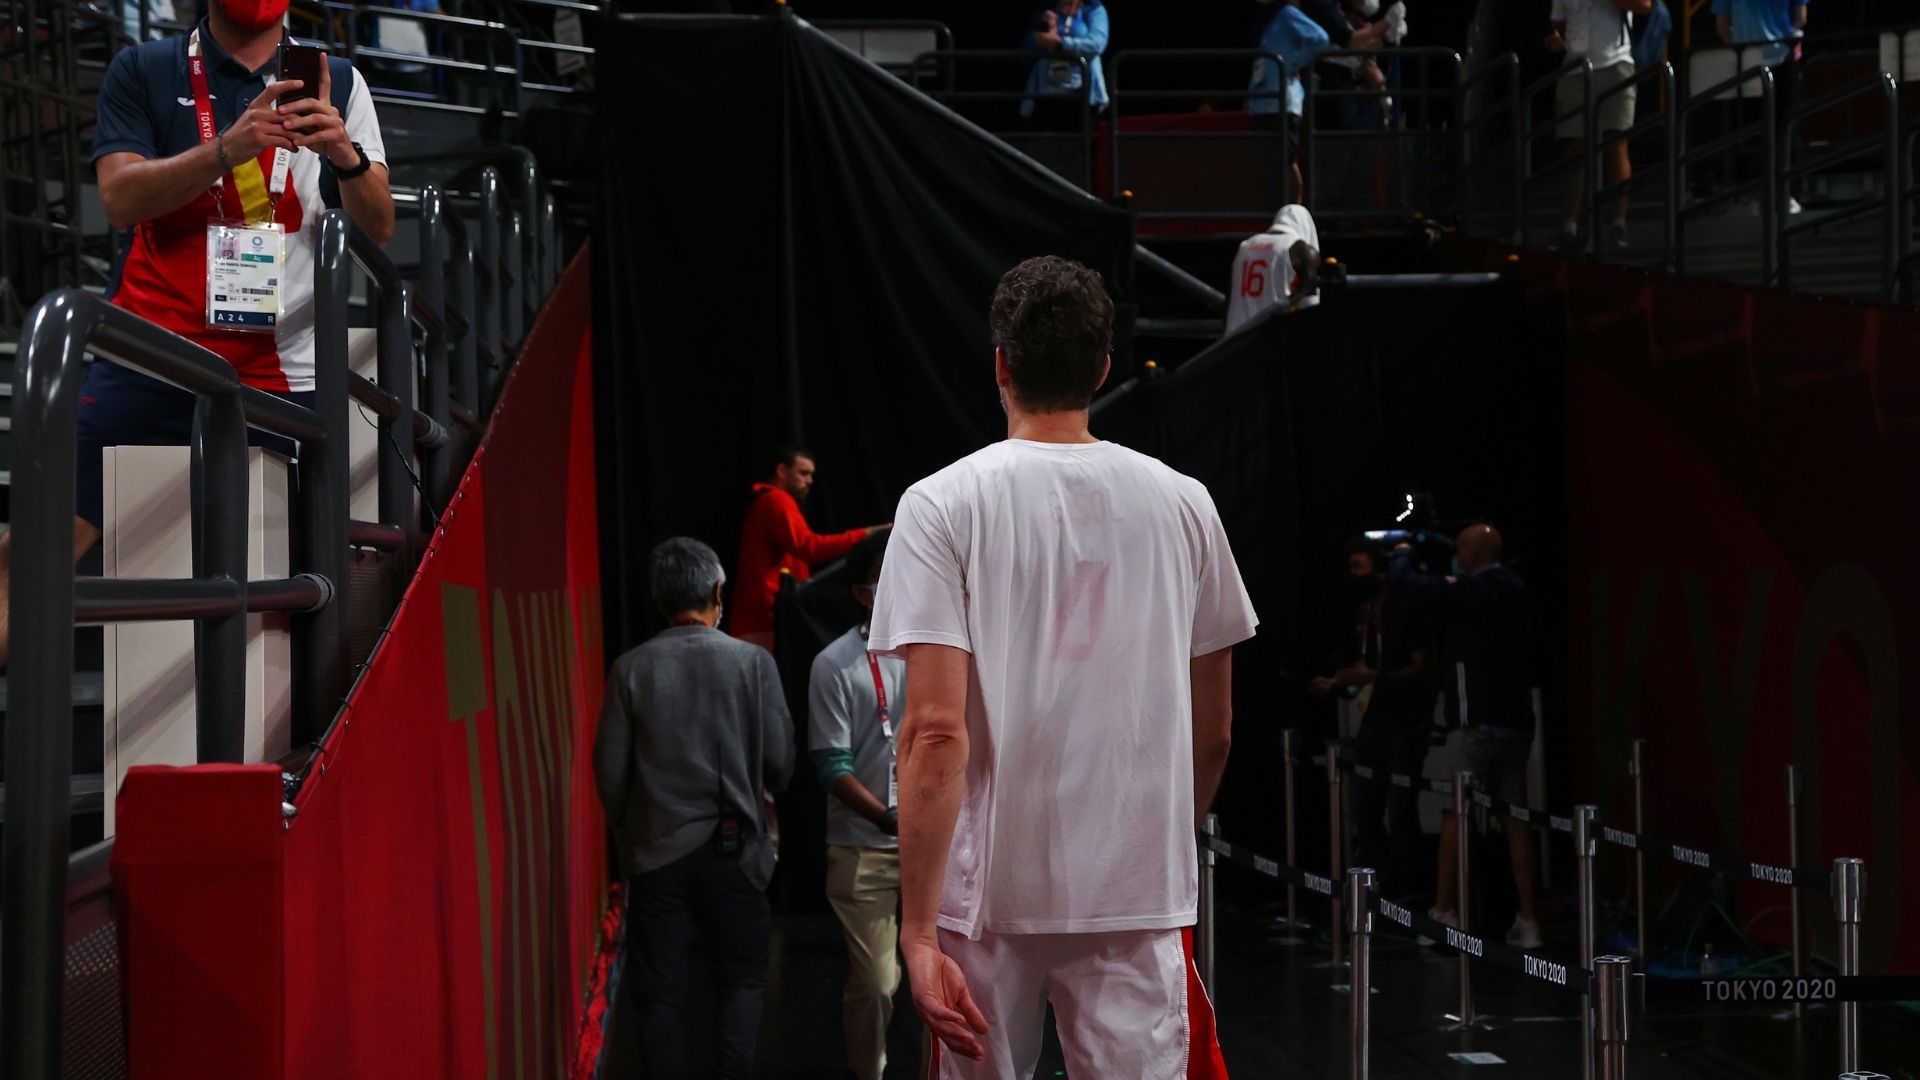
x=1761 y=21
x=1084 y=35
x=1296 y=39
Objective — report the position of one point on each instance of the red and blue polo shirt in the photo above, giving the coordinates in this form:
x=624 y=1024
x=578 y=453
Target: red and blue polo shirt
x=147 y=108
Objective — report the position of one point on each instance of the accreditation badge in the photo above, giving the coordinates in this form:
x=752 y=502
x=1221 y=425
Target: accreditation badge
x=244 y=263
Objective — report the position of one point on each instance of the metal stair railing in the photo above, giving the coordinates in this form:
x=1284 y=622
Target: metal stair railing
x=47 y=599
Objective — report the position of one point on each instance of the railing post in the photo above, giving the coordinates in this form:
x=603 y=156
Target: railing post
x=1892 y=194
x=1637 y=768
x=1336 y=837
x=1596 y=176
x=1292 y=936
x=534 y=259
x=1360 y=1003
x=549 y=246
x=1203 y=934
x=1610 y=974
x=1670 y=225
x=515 y=318
x=434 y=248
x=493 y=289
x=1771 y=200
x=1584 y=850
x=39 y=743
x=395 y=368
x=322 y=663
x=218 y=485
x=1849 y=900
x=1520 y=149
x=467 y=357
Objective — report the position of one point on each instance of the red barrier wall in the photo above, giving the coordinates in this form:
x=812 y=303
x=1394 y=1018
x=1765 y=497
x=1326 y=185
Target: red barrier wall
x=1742 y=468
x=431 y=908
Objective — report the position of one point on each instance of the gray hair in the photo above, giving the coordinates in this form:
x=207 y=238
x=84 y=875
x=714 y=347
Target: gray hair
x=683 y=573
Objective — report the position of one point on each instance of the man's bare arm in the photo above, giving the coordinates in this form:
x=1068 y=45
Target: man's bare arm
x=1212 y=677
x=134 y=189
x=933 y=776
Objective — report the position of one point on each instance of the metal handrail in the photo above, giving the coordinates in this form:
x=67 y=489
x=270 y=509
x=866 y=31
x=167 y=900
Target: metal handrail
x=1888 y=201
x=946 y=95
x=1426 y=91
x=1768 y=184
x=62 y=328
x=1509 y=64
x=1667 y=171
x=1116 y=93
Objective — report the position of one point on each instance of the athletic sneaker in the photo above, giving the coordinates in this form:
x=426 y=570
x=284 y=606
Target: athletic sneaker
x=1445 y=918
x=1524 y=933
x=1617 y=234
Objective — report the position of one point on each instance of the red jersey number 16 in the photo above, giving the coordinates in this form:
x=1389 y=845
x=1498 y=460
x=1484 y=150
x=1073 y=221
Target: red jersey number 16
x=1253 y=281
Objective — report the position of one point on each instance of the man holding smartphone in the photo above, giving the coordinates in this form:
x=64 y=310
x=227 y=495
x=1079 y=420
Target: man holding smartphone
x=206 y=156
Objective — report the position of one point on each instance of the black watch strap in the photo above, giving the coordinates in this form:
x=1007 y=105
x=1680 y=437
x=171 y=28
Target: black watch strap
x=358 y=170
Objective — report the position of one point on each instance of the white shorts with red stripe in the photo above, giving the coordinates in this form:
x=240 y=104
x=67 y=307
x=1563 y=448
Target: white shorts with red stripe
x=1127 y=1004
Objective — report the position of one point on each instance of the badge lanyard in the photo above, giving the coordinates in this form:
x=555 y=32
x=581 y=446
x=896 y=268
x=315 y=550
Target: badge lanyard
x=245 y=255
x=259 y=201
x=886 y=731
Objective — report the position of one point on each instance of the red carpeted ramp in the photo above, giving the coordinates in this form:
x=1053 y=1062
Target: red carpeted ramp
x=428 y=905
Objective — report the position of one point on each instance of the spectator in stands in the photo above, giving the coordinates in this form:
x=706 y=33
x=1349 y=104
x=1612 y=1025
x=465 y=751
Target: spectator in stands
x=854 y=700
x=1296 y=39
x=1067 y=32
x=1486 y=644
x=776 y=540
x=164 y=177
x=1390 y=678
x=1353 y=25
x=1598 y=31
x=1275 y=266
x=1777 y=26
x=694 y=728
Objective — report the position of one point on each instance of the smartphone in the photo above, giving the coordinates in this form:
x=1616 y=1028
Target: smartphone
x=305 y=63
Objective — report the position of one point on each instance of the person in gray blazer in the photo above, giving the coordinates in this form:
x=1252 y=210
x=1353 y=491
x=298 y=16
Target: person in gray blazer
x=694 y=729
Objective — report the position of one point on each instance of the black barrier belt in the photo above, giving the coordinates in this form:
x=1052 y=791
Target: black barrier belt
x=1570 y=977
x=1265 y=867
x=1732 y=865
x=1777 y=990
x=1813 y=880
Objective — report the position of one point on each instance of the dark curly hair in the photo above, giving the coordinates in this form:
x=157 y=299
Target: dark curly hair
x=1052 y=319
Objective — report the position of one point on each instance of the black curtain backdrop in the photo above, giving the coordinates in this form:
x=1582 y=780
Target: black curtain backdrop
x=794 y=245
x=1309 y=428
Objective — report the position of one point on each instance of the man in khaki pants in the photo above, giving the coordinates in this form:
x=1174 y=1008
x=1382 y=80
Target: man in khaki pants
x=854 y=701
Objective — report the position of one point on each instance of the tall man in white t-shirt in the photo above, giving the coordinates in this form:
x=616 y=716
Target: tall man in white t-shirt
x=1067 y=609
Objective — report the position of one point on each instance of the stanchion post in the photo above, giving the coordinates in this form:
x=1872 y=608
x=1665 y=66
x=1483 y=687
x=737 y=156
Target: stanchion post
x=1849 y=899
x=1583 y=852
x=1637 y=767
x=1337 y=827
x=1293 y=905
x=1793 y=859
x=1610 y=975
x=1462 y=906
x=1360 y=1007
x=1203 y=933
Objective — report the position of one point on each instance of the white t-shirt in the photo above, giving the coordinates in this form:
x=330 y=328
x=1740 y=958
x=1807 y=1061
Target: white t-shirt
x=1083 y=578
x=1596 y=31
x=1263 y=270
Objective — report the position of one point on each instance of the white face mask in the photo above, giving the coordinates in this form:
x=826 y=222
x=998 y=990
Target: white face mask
x=1369 y=8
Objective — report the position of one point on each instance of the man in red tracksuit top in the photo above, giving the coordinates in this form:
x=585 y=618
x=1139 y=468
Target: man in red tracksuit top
x=776 y=537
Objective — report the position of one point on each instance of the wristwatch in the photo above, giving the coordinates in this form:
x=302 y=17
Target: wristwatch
x=358 y=170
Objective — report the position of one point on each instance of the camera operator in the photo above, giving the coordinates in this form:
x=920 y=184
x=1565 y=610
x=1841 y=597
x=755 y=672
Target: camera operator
x=1391 y=679
x=1486 y=640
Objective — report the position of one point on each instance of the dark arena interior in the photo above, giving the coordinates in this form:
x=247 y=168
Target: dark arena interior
x=1013 y=538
